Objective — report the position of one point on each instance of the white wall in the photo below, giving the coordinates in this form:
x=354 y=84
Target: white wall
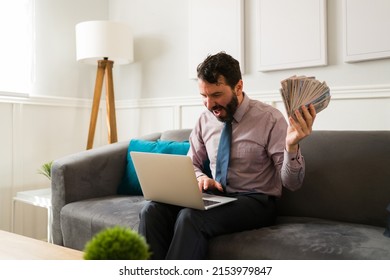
x=53 y=121
x=161 y=51
x=57 y=72
x=154 y=93
x=161 y=59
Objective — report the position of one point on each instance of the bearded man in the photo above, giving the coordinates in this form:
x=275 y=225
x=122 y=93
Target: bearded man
x=264 y=156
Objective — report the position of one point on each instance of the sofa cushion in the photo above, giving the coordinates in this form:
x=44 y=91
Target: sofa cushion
x=300 y=238
x=81 y=220
x=130 y=184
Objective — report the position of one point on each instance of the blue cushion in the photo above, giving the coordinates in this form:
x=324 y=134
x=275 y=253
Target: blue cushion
x=130 y=184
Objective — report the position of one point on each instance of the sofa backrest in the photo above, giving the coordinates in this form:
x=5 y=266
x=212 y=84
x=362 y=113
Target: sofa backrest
x=176 y=135
x=347 y=178
x=169 y=135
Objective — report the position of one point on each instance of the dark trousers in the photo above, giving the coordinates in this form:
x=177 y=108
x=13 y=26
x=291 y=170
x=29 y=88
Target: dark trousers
x=174 y=232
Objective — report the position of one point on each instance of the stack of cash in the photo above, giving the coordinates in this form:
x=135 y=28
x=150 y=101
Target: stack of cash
x=301 y=90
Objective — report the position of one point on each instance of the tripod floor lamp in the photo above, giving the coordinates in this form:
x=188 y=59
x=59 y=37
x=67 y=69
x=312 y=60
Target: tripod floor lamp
x=103 y=43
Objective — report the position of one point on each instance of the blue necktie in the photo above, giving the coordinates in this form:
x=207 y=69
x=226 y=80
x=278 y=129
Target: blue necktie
x=223 y=155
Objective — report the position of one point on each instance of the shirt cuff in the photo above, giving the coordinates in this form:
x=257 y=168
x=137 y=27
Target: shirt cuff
x=199 y=174
x=293 y=159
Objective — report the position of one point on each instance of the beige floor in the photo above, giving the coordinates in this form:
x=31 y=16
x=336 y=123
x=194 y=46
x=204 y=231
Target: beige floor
x=18 y=247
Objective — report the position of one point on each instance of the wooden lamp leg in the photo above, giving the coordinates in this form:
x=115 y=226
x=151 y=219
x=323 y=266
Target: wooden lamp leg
x=104 y=69
x=96 y=102
x=110 y=104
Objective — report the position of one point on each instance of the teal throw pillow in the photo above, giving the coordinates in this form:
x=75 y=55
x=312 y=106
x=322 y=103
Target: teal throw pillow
x=130 y=184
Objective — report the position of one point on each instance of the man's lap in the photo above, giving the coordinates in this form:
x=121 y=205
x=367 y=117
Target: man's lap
x=247 y=212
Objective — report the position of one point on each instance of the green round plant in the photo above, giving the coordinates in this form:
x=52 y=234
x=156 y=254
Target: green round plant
x=117 y=243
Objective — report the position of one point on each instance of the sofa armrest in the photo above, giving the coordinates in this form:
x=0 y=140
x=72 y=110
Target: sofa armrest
x=94 y=173
x=84 y=175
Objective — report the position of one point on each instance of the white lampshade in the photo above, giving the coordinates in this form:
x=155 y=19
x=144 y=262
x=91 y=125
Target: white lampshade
x=96 y=40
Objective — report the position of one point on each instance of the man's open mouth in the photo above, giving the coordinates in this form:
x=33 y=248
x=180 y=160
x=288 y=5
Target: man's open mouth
x=217 y=111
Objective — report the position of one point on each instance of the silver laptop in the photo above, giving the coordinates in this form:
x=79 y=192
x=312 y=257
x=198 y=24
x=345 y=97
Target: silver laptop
x=171 y=179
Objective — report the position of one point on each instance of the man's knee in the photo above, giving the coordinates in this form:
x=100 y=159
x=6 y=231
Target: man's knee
x=188 y=217
x=147 y=216
x=149 y=208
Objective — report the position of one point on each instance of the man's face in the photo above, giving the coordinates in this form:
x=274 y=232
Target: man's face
x=219 y=99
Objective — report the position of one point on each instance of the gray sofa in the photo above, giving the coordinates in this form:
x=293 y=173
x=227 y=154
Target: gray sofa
x=339 y=213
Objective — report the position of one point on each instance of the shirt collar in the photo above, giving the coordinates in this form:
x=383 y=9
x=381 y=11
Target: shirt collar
x=242 y=109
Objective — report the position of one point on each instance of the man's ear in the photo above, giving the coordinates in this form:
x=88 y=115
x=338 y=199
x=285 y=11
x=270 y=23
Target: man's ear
x=239 y=87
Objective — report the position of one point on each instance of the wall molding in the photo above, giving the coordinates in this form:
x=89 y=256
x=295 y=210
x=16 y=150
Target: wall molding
x=226 y=32
x=340 y=93
x=41 y=100
x=344 y=93
x=361 y=92
x=307 y=44
x=363 y=34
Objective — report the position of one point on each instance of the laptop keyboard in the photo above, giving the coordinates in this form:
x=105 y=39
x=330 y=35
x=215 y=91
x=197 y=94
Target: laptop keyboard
x=208 y=202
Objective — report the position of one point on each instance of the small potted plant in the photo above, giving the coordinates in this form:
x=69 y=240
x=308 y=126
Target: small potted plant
x=117 y=243
x=45 y=169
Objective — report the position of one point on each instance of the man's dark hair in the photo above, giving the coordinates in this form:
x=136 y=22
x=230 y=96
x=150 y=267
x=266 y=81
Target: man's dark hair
x=220 y=64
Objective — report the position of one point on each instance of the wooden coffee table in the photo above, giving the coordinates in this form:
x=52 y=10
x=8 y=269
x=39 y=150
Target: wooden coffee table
x=18 y=247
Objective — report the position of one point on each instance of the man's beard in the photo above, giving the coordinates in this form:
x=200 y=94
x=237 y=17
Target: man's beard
x=230 y=109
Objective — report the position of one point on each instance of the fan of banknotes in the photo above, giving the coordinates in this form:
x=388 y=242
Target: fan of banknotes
x=301 y=90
